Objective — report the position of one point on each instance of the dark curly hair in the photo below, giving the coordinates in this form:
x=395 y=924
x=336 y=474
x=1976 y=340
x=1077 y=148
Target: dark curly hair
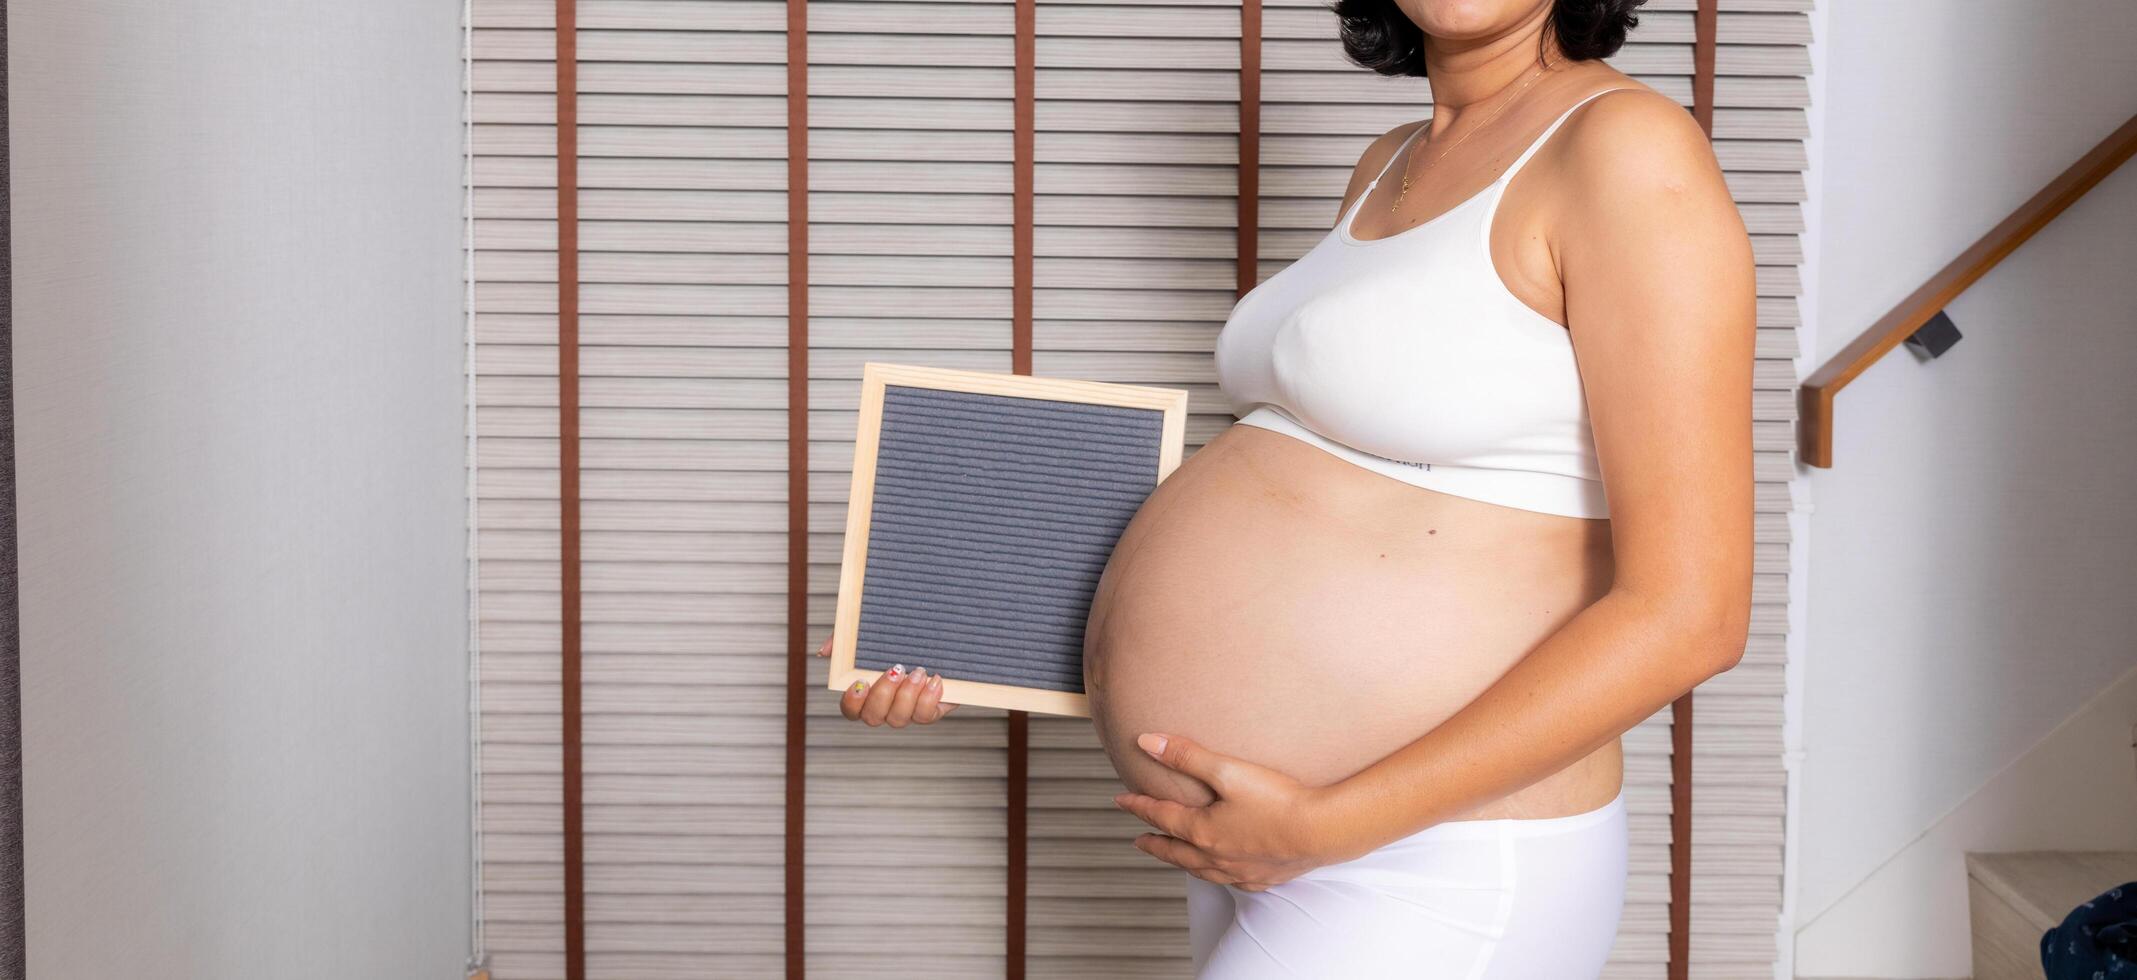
x=1378 y=36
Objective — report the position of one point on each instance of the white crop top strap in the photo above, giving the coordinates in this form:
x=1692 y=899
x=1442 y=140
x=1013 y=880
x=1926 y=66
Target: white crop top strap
x=1512 y=168
x=1407 y=355
x=1537 y=144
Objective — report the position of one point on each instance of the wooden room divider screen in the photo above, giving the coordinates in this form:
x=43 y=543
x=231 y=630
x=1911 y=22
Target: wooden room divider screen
x=753 y=198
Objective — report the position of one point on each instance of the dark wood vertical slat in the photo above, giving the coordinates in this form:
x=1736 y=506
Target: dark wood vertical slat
x=567 y=150
x=1019 y=775
x=1021 y=205
x=1249 y=145
x=1680 y=968
x=13 y=922
x=1681 y=838
x=797 y=479
x=1703 y=42
x=1023 y=144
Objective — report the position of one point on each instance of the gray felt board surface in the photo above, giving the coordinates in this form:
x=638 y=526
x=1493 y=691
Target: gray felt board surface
x=993 y=517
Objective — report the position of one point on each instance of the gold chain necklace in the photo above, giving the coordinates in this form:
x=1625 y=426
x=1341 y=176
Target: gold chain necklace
x=1465 y=137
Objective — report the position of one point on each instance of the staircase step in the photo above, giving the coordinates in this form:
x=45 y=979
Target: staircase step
x=2013 y=898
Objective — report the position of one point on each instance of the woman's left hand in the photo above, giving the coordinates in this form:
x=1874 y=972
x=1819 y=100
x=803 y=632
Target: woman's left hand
x=1265 y=828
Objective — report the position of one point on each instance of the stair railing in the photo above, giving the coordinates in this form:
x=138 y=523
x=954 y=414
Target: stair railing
x=1920 y=319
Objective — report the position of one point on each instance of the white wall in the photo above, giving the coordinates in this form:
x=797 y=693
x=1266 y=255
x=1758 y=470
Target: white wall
x=239 y=396
x=2075 y=790
x=1970 y=557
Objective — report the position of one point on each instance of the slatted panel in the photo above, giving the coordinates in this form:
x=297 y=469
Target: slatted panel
x=682 y=196
x=1760 y=95
x=683 y=228
x=1135 y=268
x=909 y=202
x=681 y=128
x=513 y=102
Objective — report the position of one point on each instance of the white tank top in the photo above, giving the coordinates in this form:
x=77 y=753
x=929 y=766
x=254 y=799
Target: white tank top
x=1407 y=355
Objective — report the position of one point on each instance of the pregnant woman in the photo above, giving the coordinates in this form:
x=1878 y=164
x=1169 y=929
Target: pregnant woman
x=1363 y=660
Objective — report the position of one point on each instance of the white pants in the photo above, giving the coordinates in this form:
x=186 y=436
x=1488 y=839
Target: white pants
x=1470 y=900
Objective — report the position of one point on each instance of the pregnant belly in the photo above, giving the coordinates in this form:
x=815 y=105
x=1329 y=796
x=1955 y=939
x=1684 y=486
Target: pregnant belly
x=1279 y=604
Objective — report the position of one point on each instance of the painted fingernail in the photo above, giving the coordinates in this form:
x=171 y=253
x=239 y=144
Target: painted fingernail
x=859 y=686
x=896 y=672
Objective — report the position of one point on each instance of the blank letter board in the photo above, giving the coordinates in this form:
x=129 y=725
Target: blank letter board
x=984 y=507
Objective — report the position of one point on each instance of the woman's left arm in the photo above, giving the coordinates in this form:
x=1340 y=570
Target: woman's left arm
x=1661 y=299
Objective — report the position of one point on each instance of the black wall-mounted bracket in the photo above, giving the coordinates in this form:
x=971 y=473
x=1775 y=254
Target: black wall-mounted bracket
x=1935 y=337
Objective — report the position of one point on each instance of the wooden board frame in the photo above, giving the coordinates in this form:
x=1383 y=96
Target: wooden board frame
x=846 y=625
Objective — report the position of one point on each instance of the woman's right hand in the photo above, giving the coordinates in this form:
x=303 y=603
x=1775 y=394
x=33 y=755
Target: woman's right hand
x=899 y=698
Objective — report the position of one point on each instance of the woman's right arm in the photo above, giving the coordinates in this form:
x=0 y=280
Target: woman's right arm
x=899 y=698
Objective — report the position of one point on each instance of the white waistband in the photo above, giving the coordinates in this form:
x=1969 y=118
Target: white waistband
x=1520 y=826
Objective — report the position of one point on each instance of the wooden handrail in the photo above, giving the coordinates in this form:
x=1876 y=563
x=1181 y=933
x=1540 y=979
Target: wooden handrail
x=1815 y=424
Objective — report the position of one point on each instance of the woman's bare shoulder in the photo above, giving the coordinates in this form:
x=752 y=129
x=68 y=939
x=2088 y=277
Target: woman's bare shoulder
x=1636 y=137
x=1645 y=226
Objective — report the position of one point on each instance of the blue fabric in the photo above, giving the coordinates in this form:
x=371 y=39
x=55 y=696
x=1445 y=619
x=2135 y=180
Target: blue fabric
x=2097 y=941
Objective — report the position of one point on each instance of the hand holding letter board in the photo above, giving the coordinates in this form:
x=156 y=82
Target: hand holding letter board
x=984 y=507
